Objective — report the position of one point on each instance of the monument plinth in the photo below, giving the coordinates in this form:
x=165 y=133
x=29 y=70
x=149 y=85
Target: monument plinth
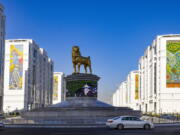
x=81 y=85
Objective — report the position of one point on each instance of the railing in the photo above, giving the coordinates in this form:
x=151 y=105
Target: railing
x=161 y=119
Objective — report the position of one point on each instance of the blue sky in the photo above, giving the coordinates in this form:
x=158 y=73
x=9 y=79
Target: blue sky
x=115 y=33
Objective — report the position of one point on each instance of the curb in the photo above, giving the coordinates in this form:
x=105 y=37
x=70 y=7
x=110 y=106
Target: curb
x=54 y=126
x=167 y=124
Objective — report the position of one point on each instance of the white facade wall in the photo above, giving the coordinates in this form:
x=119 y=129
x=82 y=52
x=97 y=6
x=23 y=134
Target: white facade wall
x=147 y=70
x=2 y=47
x=35 y=89
x=58 y=87
x=132 y=100
x=123 y=94
x=46 y=73
x=116 y=98
x=155 y=96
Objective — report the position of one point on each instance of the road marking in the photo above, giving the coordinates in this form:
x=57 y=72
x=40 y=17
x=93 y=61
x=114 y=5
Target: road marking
x=69 y=133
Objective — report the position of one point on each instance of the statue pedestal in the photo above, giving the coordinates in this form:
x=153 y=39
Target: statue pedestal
x=75 y=85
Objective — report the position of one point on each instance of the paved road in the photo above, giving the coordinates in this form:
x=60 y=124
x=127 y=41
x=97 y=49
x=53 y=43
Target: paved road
x=90 y=131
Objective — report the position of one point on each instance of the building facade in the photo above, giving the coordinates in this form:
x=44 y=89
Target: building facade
x=116 y=98
x=2 y=47
x=58 y=87
x=132 y=90
x=123 y=94
x=127 y=94
x=28 y=76
x=158 y=77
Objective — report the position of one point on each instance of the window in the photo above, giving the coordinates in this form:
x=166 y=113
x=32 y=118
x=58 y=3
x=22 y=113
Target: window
x=126 y=118
x=135 y=119
x=115 y=118
x=155 y=107
x=155 y=75
x=155 y=49
x=35 y=53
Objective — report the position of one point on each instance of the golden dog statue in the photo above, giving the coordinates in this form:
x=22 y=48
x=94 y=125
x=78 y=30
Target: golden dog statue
x=78 y=60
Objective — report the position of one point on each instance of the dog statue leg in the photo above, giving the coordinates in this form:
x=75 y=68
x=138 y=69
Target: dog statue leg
x=79 y=66
x=85 y=68
x=90 y=69
x=74 y=65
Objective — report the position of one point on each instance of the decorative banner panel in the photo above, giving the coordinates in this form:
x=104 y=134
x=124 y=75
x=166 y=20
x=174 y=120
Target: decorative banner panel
x=81 y=85
x=16 y=67
x=173 y=64
x=136 y=86
x=82 y=89
x=55 y=88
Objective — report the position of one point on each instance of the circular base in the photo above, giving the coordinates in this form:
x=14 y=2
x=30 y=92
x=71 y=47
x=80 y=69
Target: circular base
x=81 y=102
x=77 y=110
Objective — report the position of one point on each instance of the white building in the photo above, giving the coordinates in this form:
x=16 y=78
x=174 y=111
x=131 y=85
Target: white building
x=132 y=90
x=28 y=76
x=2 y=46
x=127 y=95
x=123 y=94
x=160 y=75
x=158 y=90
x=58 y=87
x=115 y=98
